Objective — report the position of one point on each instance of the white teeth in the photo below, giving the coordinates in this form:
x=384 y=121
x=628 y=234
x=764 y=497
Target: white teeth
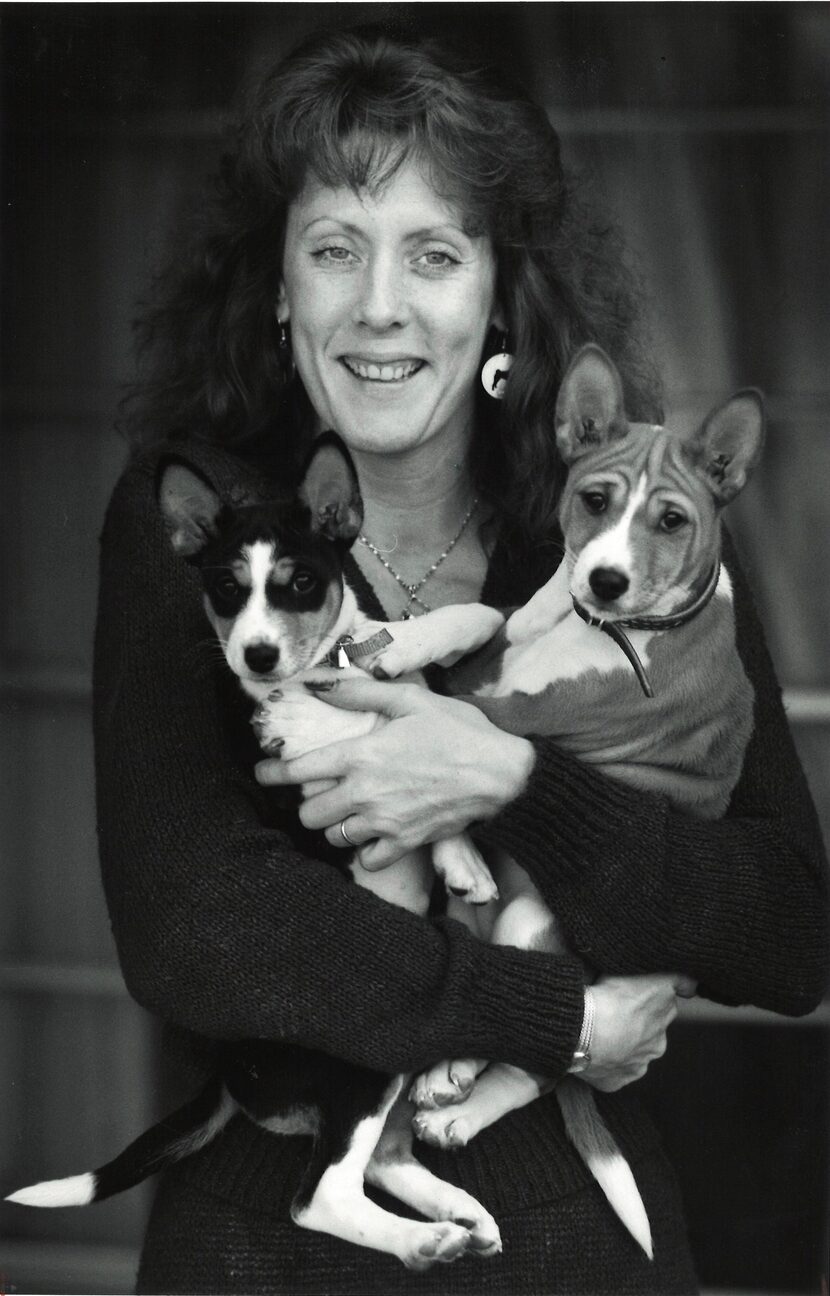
x=382 y=373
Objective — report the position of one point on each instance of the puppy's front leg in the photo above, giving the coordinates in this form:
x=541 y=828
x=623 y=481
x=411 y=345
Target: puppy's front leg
x=547 y=606
x=441 y=637
x=292 y=722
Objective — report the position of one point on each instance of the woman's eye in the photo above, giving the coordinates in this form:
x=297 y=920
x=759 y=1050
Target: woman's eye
x=595 y=501
x=334 y=255
x=672 y=520
x=437 y=259
x=303 y=582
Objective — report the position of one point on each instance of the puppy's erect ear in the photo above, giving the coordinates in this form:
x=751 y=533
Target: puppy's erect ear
x=190 y=507
x=590 y=410
x=329 y=487
x=729 y=444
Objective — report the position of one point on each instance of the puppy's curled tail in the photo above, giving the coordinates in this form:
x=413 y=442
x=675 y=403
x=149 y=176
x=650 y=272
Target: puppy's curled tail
x=595 y=1144
x=177 y=1136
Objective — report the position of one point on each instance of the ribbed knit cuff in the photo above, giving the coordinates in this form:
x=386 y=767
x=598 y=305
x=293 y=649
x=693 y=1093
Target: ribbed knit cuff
x=527 y=1008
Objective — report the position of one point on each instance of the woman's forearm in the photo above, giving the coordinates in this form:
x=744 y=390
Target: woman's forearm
x=739 y=904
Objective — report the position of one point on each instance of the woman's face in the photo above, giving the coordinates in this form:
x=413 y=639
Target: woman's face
x=389 y=302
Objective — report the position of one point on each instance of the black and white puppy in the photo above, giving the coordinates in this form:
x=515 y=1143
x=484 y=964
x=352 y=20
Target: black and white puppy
x=275 y=593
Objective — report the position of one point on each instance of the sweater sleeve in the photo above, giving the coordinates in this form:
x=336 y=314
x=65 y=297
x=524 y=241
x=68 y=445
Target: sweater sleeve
x=739 y=903
x=222 y=926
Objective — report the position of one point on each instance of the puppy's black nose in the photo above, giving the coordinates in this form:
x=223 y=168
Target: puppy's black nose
x=608 y=583
x=261 y=658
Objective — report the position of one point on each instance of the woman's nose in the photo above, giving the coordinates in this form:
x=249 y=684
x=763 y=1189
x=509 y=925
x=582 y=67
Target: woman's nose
x=382 y=303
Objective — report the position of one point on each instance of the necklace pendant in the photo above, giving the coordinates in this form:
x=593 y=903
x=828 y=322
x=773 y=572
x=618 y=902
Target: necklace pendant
x=412 y=590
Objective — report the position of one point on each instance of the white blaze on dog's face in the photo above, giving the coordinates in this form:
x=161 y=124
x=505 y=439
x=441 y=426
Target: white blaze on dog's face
x=271 y=610
x=640 y=509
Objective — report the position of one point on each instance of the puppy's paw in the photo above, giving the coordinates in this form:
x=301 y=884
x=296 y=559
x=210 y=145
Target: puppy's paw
x=405 y=652
x=294 y=722
x=485 y=1238
x=444 y=1084
x=463 y=870
x=452 y=1203
x=438 y=1243
x=446 y=1128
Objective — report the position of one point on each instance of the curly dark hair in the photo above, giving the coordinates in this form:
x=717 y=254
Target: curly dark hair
x=348 y=108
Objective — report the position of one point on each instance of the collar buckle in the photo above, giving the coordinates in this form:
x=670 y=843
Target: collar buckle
x=345 y=651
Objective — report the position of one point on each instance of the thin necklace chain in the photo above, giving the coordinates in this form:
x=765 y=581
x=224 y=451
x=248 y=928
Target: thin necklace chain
x=412 y=590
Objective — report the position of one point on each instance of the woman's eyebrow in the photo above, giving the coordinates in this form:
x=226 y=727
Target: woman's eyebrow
x=438 y=231
x=411 y=236
x=330 y=220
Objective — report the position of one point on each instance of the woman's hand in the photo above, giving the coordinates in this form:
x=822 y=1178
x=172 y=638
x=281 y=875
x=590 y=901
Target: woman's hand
x=632 y=1015
x=433 y=768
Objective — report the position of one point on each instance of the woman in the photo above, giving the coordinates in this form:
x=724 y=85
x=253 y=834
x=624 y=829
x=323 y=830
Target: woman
x=372 y=244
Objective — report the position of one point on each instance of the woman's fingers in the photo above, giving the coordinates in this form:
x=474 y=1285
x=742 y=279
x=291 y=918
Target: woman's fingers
x=425 y=768
x=317 y=786
x=326 y=763
x=355 y=693
x=348 y=833
x=378 y=853
x=632 y=1017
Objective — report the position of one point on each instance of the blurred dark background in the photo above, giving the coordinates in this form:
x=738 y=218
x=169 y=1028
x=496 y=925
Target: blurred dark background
x=703 y=128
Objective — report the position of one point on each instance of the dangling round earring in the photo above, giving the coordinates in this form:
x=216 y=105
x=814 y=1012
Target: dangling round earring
x=285 y=357
x=495 y=371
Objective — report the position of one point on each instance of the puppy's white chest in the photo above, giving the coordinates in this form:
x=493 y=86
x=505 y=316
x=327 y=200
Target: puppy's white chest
x=548 y=642
x=568 y=651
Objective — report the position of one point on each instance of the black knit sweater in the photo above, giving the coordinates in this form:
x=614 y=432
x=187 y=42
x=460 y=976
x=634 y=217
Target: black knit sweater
x=228 y=927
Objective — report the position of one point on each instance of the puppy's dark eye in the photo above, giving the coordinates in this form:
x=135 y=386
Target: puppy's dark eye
x=303 y=582
x=672 y=520
x=225 y=587
x=595 y=501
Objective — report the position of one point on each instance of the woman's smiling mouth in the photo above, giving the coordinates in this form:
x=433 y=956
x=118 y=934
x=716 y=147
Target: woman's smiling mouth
x=387 y=371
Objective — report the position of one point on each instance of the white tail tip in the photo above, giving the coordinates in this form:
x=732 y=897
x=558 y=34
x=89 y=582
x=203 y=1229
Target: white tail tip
x=614 y=1176
x=75 y=1190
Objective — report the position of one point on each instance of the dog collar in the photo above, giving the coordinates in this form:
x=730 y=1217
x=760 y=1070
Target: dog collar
x=616 y=629
x=346 y=651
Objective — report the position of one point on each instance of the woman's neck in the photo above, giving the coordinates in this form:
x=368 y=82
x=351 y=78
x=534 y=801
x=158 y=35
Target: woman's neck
x=417 y=514
x=415 y=500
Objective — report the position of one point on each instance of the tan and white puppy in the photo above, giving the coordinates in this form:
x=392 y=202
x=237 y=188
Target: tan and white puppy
x=640 y=515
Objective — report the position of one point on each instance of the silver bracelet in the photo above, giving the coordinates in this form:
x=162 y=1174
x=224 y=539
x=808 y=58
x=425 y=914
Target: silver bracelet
x=582 y=1055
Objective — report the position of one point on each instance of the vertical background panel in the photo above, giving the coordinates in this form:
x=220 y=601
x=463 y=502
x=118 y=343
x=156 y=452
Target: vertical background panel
x=76 y=1133
x=59 y=909
x=58 y=469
